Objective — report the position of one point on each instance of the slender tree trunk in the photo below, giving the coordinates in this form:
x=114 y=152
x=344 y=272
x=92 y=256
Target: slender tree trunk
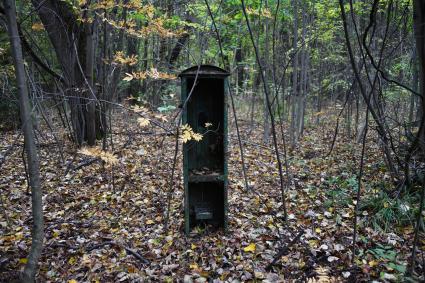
x=266 y=132
x=91 y=101
x=255 y=89
x=319 y=99
x=30 y=269
x=295 y=94
x=132 y=48
x=272 y=121
x=145 y=64
x=419 y=28
x=304 y=74
x=119 y=46
x=240 y=66
x=415 y=82
x=103 y=105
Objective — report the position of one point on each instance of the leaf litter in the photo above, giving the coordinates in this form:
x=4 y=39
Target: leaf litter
x=104 y=219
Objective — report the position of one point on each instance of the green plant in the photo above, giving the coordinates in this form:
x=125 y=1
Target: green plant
x=386 y=211
x=166 y=108
x=388 y=256
x=340 y=190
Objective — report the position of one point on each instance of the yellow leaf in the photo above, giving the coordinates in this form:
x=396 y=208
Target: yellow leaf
x=143 y=122
x=192 y=246
x=264 y=12
x=257 y=200
x=318 y=230
x=37 y=27
x=313 y=243
x=109 y=158
x=197 y=137
x=193 y=266
x=72 y=260
x=72 y=281
x=186 y=137
x=128 y=77
x=250 y=248
x=121 y=59
x=188 y=134
x=85 y=151
x=23 y=260
x=18 y=236
x=150 y=222
x=373 y=263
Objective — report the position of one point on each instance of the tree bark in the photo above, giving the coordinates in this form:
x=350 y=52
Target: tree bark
x=132 y=49
x=419 y=29
x=30 y=269
x=295 y=93
x=415 y=83
x=70 y=41
x=266 y=71
x=240 y=68
x=304 y=74
x=91 y=102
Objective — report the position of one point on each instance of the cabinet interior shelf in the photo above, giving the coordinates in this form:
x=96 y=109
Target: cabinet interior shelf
x=214 y=177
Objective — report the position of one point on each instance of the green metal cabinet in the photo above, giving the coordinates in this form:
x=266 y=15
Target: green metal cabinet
x=204 y=92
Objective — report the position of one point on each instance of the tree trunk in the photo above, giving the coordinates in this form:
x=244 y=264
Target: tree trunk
x=145 y=64
x=239 y=66
x=37 y=232
x=304 y=78
x=113 y=87
x=132 y=49
x=178 y=47
x=69 y=40
x=295 y=94
x=419 y=28
x=266 y=71
x=91 y=101
x=319 y=100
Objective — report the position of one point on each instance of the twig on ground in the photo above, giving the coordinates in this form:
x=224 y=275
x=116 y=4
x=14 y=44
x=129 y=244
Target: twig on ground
x=284 y=250
x=127 y=249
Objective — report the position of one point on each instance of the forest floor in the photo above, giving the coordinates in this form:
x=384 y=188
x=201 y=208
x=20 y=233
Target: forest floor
x=106 y=224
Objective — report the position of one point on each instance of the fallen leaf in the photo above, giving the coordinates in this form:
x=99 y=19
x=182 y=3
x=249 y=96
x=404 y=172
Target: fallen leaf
x=250 y=248
x=23 y=260
x=193 y=266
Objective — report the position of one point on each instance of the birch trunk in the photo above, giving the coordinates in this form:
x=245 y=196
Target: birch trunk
x=33 y=166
